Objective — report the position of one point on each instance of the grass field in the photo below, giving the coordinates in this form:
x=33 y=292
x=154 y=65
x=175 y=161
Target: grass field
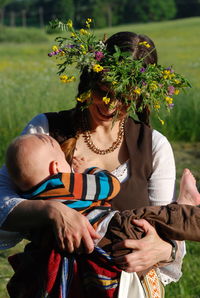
x=29 y=85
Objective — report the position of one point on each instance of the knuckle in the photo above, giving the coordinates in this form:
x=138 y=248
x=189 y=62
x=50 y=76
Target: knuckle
x=76 y=235
x=141 y=245
x=125 y=243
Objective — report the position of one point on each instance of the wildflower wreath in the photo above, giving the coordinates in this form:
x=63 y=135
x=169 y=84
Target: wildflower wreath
x=124 y=75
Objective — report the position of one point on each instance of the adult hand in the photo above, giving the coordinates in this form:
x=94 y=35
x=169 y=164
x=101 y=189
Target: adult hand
x=72 y=229
x=147 y=251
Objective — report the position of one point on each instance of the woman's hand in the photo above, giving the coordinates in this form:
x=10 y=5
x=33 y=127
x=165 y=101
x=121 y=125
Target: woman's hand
x=72 y=229
x=147 y=251
x=80 y=164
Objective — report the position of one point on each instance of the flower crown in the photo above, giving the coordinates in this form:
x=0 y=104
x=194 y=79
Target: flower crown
x=124 y=75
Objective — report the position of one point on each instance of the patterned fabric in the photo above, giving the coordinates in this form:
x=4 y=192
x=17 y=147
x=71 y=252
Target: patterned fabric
x=152 y=286
x=99 y=276
x=78 y=191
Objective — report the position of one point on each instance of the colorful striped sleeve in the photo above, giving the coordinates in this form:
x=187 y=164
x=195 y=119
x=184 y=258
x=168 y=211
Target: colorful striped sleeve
x=94 y=185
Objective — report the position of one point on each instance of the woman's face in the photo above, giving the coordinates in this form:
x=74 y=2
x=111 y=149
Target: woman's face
x=101 y=111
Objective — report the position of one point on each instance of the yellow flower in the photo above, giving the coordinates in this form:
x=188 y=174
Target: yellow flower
x=84 y=52
x=88 y=21
x=83 y=31
x=106 y=100
x=69 y=24
x=145 y=43
x=157 y=106
x=87 y=94
x=169 y=100
x=177 y=81
x=97 y=68
x=82 y=46
x=80 y=99
x=167 y=74
x=73 y=35
x=62 y=53
x=153 y=86
x=63 y=78
x=137 y=90
x=66 y=79
x=162 y=121
x=176 y=91
x=71 y=79
x=84 y=96
x=114 y=83
x=55 y=48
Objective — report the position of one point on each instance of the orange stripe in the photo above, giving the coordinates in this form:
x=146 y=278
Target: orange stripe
x=116 y=188
x=78 y=186
x=66 y=180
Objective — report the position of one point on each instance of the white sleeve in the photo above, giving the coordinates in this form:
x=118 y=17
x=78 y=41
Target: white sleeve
x=8 y=197
x=162 y=180
x=162 y=192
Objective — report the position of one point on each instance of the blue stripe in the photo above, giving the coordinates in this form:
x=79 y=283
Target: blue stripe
x=103 y=252
x=64 y=277
x=49 y=184
x=78 y=204
x=104 y=186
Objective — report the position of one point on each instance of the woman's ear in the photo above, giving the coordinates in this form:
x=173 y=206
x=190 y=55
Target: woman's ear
x=53 y=167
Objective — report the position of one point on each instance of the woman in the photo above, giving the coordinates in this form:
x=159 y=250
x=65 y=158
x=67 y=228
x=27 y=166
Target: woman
x=142 y=160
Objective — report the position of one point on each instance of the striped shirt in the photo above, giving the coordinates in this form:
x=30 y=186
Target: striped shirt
x=80 y=191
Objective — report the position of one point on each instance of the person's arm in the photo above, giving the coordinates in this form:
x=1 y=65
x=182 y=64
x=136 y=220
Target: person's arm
x=94 y=184
x=70 y=227
x=162 y=192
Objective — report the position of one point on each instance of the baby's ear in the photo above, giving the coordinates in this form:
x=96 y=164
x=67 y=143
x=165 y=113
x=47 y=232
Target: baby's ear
x=53 y=167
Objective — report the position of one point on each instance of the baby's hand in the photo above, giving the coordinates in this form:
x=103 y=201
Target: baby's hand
x=79 y=164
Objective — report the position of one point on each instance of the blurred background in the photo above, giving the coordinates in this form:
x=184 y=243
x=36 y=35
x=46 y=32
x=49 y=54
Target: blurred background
x=29 y=83
x=37 y=13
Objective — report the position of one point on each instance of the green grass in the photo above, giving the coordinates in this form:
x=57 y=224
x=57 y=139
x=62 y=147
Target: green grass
x=29 y=85
x=20 y=35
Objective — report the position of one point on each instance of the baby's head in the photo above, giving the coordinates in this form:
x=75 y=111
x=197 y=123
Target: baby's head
x=32 y=158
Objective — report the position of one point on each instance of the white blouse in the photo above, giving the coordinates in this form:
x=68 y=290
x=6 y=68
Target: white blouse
x=161 y=189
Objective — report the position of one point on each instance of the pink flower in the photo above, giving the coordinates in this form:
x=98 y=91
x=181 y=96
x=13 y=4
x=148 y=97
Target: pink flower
x=171 y=90
x=142 y=69
x=99 y=55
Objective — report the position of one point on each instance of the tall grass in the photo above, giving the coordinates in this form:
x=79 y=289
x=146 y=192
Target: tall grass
x=29 y=85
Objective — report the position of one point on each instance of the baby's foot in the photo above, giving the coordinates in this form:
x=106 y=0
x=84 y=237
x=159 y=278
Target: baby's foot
x=189 y=194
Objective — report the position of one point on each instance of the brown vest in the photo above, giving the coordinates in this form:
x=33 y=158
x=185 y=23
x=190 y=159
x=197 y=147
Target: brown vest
x=138 y=136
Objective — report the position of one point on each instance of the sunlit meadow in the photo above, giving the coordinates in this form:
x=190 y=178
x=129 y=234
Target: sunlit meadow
x=29 y=85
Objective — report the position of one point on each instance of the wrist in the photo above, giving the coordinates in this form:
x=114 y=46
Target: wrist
x=171 y=253
x=173 y=250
